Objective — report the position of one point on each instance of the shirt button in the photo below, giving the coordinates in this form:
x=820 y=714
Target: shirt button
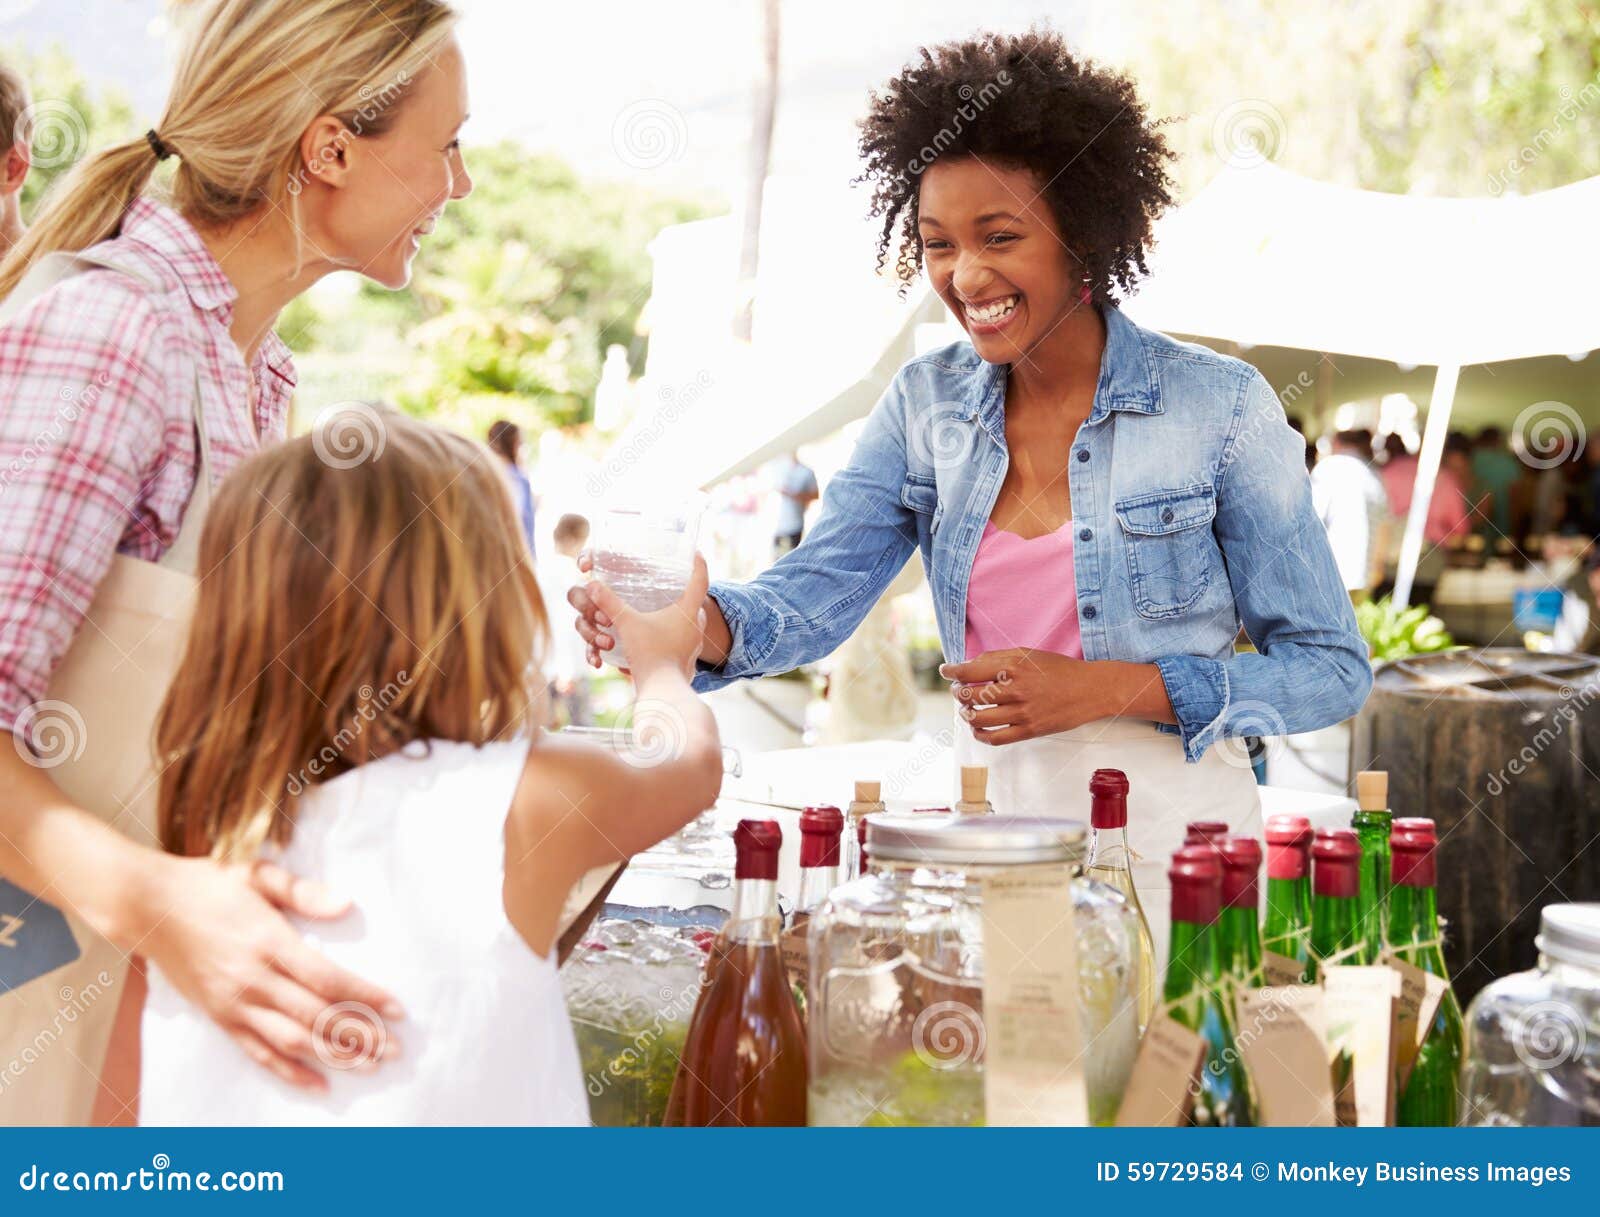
x=1166 y=516
x=1085 y=535
x=1089 y=611
x=1083 y=454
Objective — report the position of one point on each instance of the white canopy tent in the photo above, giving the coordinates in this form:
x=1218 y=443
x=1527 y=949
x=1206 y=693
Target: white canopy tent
x=1311 y=282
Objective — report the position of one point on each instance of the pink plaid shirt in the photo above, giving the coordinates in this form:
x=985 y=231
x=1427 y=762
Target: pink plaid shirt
x=97 y=440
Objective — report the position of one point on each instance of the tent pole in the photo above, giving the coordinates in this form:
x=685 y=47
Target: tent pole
x=1439 y=406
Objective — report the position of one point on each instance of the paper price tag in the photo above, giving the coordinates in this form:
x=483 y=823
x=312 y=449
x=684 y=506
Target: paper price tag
x=1282 y=1035
x=1420 y=995
x=1361 y=1013
x=1165 y=1077
x=1033 y=1054
x=1278 y=970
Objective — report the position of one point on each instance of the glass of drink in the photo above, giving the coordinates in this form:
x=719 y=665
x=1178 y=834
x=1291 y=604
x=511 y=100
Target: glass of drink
x=646 y=556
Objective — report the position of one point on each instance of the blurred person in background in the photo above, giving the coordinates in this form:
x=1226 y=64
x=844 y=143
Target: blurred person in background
x=16 y=121
x=1353 y=507
x=797 y=490
x=1494 y=469
x=1299 y=428
x=505 y=440
x=566 y=668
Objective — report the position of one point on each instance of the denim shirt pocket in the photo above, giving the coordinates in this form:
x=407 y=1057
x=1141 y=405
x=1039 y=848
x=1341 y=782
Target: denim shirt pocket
x=1166 y=533
x=921 y=493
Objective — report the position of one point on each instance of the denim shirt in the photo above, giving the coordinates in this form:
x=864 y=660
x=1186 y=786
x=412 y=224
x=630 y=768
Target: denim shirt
x=1191 y=515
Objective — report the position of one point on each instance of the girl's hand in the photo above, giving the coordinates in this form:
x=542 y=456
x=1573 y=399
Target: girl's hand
x=221 y=938
x=669 y=636
x=1025 y=694
x=591 y=623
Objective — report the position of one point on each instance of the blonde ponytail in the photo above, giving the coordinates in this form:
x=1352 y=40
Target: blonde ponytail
x=252 y=76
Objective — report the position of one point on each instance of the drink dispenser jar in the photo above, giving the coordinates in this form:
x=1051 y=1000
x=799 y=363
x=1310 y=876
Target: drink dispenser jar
x=897 y=1028
x=1533 y=1039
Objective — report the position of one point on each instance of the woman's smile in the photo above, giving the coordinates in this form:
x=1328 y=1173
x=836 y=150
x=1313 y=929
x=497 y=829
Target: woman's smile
x=992 y=314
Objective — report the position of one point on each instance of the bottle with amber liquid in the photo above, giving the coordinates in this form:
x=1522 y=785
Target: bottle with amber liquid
x=744 y=1057
x=1111 y=862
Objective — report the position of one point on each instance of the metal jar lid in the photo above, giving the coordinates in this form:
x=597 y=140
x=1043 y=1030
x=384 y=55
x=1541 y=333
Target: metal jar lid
x=1571 y=933
x=957 y=841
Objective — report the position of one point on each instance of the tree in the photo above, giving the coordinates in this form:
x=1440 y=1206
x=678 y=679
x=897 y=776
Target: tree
x=1466 y=100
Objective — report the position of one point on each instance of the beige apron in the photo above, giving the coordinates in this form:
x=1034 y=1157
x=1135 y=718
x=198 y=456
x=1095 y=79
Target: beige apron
x=54 y=1028
x=1050 y=776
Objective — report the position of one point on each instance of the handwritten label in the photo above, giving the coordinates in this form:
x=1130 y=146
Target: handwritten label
x=1278 y=970
x=1360 y=1010
x=1166 y=1075
x=1420 y=995
x=1282 y=1035
x=1033 y=1056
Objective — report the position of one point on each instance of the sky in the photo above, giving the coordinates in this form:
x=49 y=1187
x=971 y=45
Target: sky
x=628 y=89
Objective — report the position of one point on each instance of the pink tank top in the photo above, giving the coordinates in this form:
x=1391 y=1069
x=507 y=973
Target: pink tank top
x=1022 y=594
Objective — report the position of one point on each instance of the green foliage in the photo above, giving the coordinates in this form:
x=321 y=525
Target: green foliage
x=1394 y=633
x=68 y=109
x=1489 y=98
x=513 y=300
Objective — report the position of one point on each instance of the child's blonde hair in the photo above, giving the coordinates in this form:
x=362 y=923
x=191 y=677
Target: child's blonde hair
x=361 y=587
x=250 y=79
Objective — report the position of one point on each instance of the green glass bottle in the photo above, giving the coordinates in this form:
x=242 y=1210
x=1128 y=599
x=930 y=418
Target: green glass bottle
x=1430 y=1094
x=1239 y=925
x=1287 y=930
x=1194 y=988
x=1371 y=823
x=1336 y=882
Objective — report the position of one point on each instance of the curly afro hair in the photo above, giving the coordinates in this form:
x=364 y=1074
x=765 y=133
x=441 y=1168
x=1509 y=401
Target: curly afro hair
x=1024 y=101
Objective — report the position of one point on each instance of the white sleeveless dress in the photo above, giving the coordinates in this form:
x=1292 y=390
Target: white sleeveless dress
x=416 y=840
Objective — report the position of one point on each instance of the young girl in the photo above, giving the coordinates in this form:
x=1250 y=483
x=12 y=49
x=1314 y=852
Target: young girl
x=358 y=701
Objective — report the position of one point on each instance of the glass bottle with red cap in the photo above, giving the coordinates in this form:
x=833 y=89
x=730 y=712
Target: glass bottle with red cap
x=1336 y=886
x=744 y=1057
x=1287 y=930
x=1239 y=926
x=820 y=830
x=1430 y=1094
x=1204 y=832
x=1194 y=987
x=1111 y=862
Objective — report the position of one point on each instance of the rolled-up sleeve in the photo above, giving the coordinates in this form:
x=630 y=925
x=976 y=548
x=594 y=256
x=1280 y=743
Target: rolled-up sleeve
x=1310 y=667
x=814 y=597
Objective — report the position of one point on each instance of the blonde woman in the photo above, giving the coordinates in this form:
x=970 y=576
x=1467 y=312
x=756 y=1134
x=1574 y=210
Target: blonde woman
x=138 y=366
x=456 y=829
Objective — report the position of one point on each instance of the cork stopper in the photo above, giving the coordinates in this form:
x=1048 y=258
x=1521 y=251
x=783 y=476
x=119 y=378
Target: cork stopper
x=869 y=792
x=1372 y=790
x=974 y=783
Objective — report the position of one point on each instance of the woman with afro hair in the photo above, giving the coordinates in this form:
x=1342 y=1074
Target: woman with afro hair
x=1099 y=507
